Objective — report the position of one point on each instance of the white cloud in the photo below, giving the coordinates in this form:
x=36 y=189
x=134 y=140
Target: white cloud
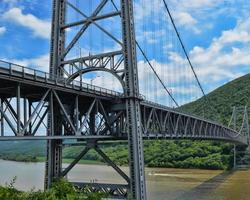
x=151 y=37
x=2 y=30
x=205 y=13
x=40 y=28
x=195 y=4
x=144 y=8
x=226 y=56
x=187 y=14
x=184 y=18
x=39 y=63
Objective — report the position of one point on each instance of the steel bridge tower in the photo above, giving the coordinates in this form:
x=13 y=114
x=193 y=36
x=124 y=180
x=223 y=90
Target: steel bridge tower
x=128 y=76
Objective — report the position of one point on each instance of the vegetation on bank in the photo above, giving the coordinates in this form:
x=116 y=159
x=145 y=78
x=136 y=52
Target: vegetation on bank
x=60 y=190
x=171 y=154
x=176 y=154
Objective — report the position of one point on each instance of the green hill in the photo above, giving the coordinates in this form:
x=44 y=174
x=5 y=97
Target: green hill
x=180 y=154
x=222 y=100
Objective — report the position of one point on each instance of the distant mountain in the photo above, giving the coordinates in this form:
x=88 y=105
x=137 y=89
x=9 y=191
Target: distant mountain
x=180 y=154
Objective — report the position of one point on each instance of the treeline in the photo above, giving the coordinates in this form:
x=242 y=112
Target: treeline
x=169 y=154
x=18 y=157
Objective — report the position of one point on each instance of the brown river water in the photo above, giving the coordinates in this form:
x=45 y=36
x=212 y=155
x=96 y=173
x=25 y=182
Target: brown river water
x=162 y=184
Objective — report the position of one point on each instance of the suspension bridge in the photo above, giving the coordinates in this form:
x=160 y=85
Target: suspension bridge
x=58 y=105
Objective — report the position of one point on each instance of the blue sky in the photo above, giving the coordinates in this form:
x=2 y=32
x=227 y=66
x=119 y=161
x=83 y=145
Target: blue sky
x=216 y=34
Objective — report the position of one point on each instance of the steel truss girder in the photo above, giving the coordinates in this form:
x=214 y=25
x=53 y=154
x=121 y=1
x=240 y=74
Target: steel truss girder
x=39 y=113
x=157 y=122
x=32 y=120
x=118 y=191
x=178 y=125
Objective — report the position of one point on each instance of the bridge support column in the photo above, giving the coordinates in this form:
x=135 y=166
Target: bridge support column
x=18 y=97
x=2 y=118
x=242 y=157
x=235 y=157
x=134 y=129
x=57 y=46
x=54 y=148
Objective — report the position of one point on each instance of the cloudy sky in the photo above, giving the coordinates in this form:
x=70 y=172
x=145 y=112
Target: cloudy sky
x=216 y=35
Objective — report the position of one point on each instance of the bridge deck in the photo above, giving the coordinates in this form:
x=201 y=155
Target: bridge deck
x=159 y=121
x=10 y=72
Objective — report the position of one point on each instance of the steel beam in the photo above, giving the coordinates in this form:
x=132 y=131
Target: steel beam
x=112 y=164
x=96 y=18
x=2 y=118
x=75 y=161
x=136 y=158
x=18 y=105
x=26 y=124
x=54 y=149
x=83 y=29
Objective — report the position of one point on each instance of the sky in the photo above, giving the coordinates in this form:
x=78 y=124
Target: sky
x=216 y=35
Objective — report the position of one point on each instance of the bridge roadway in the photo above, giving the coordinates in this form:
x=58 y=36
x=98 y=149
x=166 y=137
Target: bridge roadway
x=159 y=122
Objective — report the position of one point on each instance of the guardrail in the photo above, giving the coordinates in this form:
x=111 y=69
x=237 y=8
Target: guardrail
x=41 y=76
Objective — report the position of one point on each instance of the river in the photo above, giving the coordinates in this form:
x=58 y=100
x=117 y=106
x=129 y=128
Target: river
x=162 y=184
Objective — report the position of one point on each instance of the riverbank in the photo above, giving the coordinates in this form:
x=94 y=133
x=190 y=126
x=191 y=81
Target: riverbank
x=43 y=159
x=86 y=162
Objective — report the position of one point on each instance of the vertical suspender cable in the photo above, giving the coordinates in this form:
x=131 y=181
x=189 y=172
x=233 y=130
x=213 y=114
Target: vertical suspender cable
x=186 y=54
x=183 y=47
x=151 y=66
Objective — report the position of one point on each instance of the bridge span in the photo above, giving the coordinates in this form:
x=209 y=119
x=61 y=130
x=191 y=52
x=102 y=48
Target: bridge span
x=36 y=88
x=90 y=113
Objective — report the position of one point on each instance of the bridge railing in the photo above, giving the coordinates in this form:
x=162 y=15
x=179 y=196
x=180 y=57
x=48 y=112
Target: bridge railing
x=38 y=75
